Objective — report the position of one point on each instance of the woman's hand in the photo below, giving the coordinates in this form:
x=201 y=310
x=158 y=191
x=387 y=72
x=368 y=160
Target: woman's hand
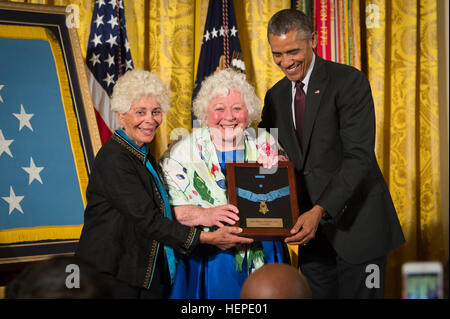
x=269 y=161
x=192 y=215
x=216 y=216
x=224 y=238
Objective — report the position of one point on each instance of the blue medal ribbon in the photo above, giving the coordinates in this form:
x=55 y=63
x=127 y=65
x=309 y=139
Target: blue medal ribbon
x=268 y=197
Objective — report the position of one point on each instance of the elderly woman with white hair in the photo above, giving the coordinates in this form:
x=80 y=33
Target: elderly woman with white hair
x=129 y=235
x=194 y=170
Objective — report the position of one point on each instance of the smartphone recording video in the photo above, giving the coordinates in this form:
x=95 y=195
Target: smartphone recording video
x=422 y=280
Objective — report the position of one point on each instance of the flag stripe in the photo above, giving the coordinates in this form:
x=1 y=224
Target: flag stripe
x=102 y=105
x=105 y=132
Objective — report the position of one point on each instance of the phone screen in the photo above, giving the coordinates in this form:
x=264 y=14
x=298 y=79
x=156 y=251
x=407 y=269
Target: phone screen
x=422 y=286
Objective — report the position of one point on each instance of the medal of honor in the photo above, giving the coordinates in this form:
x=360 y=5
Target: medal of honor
x=263 y=198
x=263 y=207
x=267 y=200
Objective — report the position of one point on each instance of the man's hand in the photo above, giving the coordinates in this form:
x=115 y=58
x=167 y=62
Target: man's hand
x=306 y=226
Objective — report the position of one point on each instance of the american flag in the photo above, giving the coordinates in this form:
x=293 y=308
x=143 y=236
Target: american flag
x=108 y=56
x=220 y=43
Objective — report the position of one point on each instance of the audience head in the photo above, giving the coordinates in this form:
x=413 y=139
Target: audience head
x=276 y=281
x=61 y=277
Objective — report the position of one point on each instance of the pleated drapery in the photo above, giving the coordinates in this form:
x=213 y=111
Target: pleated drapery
x=400 y=39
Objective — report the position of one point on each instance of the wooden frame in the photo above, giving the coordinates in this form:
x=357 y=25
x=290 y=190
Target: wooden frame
x=48 y=24
x=266 y=199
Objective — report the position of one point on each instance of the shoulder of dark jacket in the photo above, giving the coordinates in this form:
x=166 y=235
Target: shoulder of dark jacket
x=337 y=70
x=280 y=86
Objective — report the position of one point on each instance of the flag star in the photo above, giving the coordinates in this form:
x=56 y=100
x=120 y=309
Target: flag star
x=121 y=4
x=33 y=171
x=95 y=58
x=100 y=3
x=129 y=65
x=24 y=118
x=1 y=87
x=233 y=31
x=206 y=36
x=109 y=79
x=112 y=40
x=113 y=21
x=222 y=31
x=113 y=3
x=4 y=145
x=127 y=45
x=214 y=33
x=110 y=60
x=99 y=20
x=13 y=201
x=97 y=40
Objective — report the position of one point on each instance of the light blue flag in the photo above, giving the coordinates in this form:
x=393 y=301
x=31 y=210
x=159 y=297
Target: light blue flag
x=39 y=185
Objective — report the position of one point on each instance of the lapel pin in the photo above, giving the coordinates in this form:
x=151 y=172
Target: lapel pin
x=316 y=91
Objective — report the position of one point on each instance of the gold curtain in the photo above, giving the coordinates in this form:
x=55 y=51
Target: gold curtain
x=403 y=72
x=165 y=37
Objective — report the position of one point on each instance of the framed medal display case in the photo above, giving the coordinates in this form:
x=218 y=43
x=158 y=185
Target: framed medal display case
x=266 y=199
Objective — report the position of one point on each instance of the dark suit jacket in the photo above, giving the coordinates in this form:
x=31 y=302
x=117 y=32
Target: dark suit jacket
x=124 y=223
x=337 y=168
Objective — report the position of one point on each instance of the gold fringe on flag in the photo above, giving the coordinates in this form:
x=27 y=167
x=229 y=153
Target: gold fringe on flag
x=51 y=232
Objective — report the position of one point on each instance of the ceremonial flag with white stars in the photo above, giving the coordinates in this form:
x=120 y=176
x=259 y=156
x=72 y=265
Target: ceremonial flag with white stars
x=39 y=185
x=220 y=43
x=108 y=56
x=1 y=87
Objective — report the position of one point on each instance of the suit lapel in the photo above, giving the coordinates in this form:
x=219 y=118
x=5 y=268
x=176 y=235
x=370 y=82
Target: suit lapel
x=316 y=88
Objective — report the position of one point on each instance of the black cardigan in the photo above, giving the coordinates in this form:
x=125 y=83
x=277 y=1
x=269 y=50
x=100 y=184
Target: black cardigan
x=124 y=223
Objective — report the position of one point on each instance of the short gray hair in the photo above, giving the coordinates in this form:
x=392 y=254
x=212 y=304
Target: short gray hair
x=137 y=83
x=287 y=20
x=219 y=84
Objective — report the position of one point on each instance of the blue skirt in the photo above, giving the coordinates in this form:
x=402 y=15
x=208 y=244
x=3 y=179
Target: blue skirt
x=210 y=273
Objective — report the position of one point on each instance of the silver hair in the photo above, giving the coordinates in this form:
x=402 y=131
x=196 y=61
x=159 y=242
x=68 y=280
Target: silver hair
x=219 y=84
x=137 y=83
